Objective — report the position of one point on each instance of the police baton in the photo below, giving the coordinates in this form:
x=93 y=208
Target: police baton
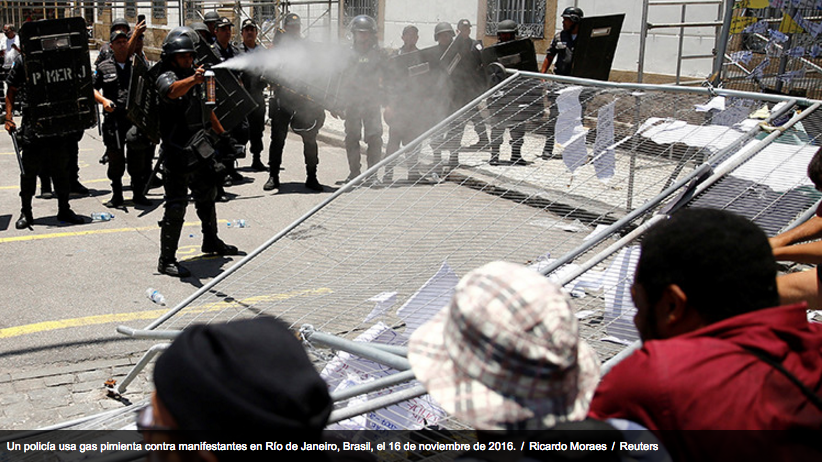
x=13 y=134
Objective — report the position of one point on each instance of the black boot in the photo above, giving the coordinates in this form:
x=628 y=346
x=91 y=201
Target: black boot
x=257 y=165
x=312 y=179
x=67 y=215
x=78 y=188
x=169 y=238
x=171 y=267
x=25 y=221
x=117 y=195
x=273 y=183
x=214 y=245
x=494 y=160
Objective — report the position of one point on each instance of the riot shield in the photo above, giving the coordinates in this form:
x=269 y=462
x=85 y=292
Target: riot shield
x=421 y=68
x=461 y=57
x=60 y=89
x=515 y=54
x=595 y=46
x=233 y=101
x=143 y=106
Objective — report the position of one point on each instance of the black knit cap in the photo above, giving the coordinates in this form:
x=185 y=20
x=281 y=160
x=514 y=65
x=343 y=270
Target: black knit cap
x=242 y=375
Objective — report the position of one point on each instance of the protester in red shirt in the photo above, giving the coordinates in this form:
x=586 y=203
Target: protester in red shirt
x=718 y=353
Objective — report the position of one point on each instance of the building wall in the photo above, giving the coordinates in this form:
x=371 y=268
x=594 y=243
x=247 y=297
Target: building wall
x=662 y=44
x=425 y=14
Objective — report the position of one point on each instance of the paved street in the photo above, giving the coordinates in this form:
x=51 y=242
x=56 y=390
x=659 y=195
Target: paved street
x=67 y=287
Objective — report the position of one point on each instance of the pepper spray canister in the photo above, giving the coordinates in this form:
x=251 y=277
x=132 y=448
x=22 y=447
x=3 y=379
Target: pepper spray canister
x=211 y=87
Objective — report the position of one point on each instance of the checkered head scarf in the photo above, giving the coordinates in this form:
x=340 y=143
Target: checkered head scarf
x=505 y=353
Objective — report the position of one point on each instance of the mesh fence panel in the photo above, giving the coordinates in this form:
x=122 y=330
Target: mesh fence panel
x=384 y=254
x=776 y=47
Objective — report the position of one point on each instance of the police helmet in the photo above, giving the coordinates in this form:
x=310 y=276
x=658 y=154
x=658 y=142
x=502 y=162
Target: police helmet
x=179 y=40
x=291 y=19
x=573 y=13
x=211 y=17
x=443 y=27
x=199 y=27
x=507 y=25
x=363 y=23
x=182 y=30
x=119 y=22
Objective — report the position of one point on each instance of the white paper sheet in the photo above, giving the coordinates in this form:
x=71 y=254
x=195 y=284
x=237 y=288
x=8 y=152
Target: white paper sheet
x=604 y=152
x=569 y=132
x=433 y=296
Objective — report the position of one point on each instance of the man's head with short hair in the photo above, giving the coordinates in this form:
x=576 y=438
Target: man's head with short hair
x=464 y=28
x=814 y=170
x=410 y=36
x=9 y=29
x=699 y=267
x=223 y=31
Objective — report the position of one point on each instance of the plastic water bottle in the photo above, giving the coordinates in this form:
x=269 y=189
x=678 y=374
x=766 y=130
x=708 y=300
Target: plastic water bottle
x=155 y=296
x=240 y=223
x=102 y=217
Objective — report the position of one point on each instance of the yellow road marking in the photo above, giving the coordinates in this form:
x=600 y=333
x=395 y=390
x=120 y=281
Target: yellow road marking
x=152 y=314
x=17 y=187
x=25 y=238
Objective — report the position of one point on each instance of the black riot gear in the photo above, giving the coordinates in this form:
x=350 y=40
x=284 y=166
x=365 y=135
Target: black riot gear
x=119 y=22
x=211 y=17
x=363 y=23
x=179 y=43
x=443 y=27
x=573 y=13
x=291 y=19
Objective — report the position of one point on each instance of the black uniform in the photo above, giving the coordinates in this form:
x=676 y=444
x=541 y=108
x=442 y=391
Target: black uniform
x=112 y=80
x=181 y=120
x=255 y=85
x=305 y=117
x=54 y=151
x=405 y=114
x=239 y=133
x=561 y=50
x=466 y=83
x=363 y=107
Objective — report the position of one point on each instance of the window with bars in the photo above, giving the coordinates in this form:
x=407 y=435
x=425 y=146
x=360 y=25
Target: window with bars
x=352 y=8
x=191 y=10
x=158 y=9
x=131 y=9
x=529 y=14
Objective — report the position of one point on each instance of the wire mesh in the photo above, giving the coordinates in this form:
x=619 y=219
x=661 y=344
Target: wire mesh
x=384 y=253
x=775 y=47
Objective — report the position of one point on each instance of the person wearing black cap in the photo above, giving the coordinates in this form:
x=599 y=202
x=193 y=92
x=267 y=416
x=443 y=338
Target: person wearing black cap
x=211 y=19
x=471 y=79
x=225 y=49
x=111 y=82
x=185 y=121
x=289 y=109
x=255 y=85
x=118 y=24
x=245 y=376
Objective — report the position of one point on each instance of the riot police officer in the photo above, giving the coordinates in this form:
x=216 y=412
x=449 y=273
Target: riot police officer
x=37 y=151
x=510 y=116
x=118 y=24
x=562 y=48
x=111 y=82
x=226 y=50
x=364 y=95
x=189 y=160
x=563 y=44
x=287 y=109
x=470 y=80
x=210 y=19
x=255 y=84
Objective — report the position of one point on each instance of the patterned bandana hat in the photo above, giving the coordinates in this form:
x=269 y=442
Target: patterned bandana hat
x=505 y=353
